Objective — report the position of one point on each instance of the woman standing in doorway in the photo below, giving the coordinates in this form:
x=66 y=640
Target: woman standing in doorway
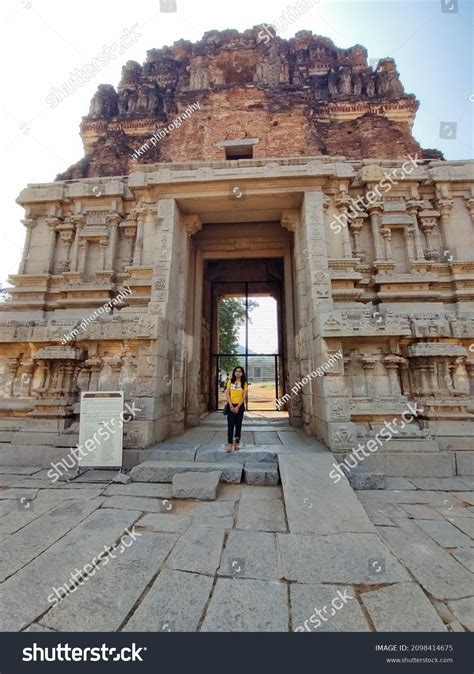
x=236 y=392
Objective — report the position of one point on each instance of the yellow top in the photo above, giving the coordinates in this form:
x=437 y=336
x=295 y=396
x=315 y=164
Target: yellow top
x=236 y=392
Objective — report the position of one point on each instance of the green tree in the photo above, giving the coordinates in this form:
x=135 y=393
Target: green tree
x=231 y=317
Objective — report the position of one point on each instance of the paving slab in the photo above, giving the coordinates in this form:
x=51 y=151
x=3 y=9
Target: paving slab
x=249 y=454
x=421 y=512
x=465 y=556
x=466 y=496
x=174 y=603
x=36 y=537
x=261 y=515
x=13 y=494
x=439 y=483
x=434 y=568
x=314 y=502
x=102 y=603
x=146 y=489
x=465 y=524
x=242 y=605
x=399 y=483
x=201 y=509
x=200 y=486
x=37 y=627
x=149 y=505
x=20 y=514
x=339 y=558
x=388 y=606
x=444 y=533
x=23 y=598
x=171 y=523
x=211 y=522
x=434 y=498
x=467 y=480
x=463 y=609
x=7 y=480
x=198 y=550
x=100 y=476
x=250 y=554
x=164 y=471
x=267 y=438
x=258 y=492
x=262 y=474
x=19 y=470
x=229 y=492
x=307 y=599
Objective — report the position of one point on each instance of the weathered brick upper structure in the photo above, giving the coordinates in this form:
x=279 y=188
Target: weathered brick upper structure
x=300 y=97
x=291 y=139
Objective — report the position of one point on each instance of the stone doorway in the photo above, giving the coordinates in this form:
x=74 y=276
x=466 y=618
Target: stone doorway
x=246 y=328
x=257 y=266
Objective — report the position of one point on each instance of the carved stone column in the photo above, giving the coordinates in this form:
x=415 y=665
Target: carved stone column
x=386 y=233
x=368 y=364
x=138 y=214
x=343 y=202
x=29 y=223
x=79 y=222
x=444 y=205
x=11 y=367
x=53 y=224
x=392 y=364
x=129 y=228
x=103 y=245
x=355 y=229
x=428 y=223
x=375 y=210
x=113 y=221
x=413 y=206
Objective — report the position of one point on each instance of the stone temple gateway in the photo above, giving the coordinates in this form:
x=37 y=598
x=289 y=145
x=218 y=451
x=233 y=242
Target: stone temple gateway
x=287 y=138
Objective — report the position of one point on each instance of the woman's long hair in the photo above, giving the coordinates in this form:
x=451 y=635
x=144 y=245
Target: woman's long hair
x=243 y=379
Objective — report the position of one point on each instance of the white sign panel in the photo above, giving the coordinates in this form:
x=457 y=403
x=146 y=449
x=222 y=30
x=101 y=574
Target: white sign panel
x=101 y=429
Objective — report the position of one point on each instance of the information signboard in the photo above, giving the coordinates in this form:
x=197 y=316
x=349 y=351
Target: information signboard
x=101 y=429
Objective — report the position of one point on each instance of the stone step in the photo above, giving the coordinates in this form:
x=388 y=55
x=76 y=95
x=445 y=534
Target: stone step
x=200 y=486
x=262 y=473
x=164 y=471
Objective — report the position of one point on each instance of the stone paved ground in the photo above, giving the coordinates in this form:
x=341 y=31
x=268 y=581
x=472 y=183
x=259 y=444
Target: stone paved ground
x=245 y=562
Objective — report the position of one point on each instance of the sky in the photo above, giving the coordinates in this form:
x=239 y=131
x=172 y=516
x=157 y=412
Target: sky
x=45 y=40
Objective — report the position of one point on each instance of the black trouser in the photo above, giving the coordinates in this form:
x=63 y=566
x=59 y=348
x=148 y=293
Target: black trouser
x=234 y=421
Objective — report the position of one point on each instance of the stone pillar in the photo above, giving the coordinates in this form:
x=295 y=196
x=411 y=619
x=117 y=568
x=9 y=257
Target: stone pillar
x=386 y=233
x=355 y=229
x=12 y=367
x=139 y=216
x=368 y=364
x=413 y=206
x=444 y=205
x=52 y=224
x=79 y=222
x=428 y=222
x=29 y=223
x=103 y=245
x=342 y=202
x=392 y=364
x=113 y=221
x=375 y=209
